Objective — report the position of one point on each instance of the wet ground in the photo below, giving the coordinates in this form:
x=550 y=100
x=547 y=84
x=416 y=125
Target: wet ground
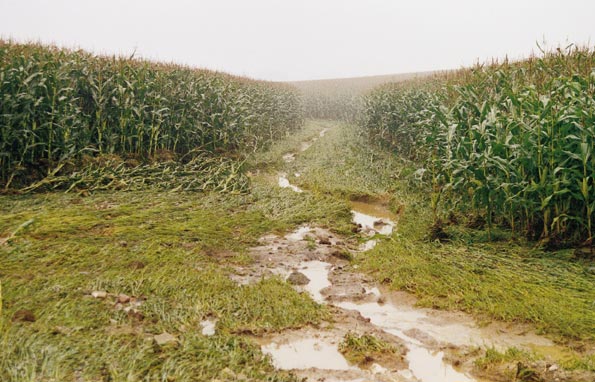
x=435 y=346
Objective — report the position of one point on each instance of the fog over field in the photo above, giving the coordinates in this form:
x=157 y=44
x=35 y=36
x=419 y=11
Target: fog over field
x=308 y=39
x=293 y=191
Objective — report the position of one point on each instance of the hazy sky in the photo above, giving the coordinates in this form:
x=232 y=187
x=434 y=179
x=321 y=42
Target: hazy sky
x=304 y=39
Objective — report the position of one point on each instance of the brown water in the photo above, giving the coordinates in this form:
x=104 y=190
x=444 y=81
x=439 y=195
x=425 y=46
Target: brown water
x=311 y=352
x=373 y=209
x=317 y=272
x=373 y=219
x=424 y=332
x=306 y=353
x=424 y=364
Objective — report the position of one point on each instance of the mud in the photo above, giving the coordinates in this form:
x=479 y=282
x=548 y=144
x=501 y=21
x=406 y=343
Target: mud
x=433 y=341
x=435 y=346
x=373 y=218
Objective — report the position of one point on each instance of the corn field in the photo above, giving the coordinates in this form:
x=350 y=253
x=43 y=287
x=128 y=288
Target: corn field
x=59 y=106
x=510 y=142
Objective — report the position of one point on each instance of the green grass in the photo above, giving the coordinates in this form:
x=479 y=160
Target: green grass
x=189 y=243
x=60 y=106
x=586 y=362
x=366 y=348
x=493 y=357
x=273 y=157
x=510 y=141
x=186 y=242
x=344 y=164
x=504 y=280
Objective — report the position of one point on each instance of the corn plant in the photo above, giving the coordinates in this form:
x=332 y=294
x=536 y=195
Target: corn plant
x=512 y=142
x=57 y=106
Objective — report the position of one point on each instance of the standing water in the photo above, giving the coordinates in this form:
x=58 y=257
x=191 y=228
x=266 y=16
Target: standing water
x=424 y=364
x=306 y=353
x=317 y=272
x=284 y=183
x=373 y=219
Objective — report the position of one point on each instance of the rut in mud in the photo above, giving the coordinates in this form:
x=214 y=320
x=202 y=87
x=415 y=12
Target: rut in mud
x=433 y=345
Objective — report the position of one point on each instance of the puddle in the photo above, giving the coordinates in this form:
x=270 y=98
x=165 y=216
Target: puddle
x=374 y=218
x=374 y=209
x=374 y=291
x=317 y=272
x=284 y=183
x=366 y=246
x=421 y=332
x=373 y=224
x=428 y=366
x=424 y=333
x=299 y=234
x=208 y=327
x=401 y=320
x=424 y=364
x=305 y=354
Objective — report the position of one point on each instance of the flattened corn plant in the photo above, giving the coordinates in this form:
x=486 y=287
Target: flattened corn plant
x=57 y=106
x=510 y=142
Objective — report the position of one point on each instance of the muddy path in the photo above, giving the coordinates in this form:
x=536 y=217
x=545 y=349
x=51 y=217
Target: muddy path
x=433 y=346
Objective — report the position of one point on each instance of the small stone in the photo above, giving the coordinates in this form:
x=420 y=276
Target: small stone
x=164 y=339
x=591 y=270
x=553 y=367
x=99 y=294
x=298 y=278
x=208 y=327
x=325 y=241
x=136 y=265
x=61 y=330
x=23 y=315
x=135 y=315
x=380 y=223
x=342 y=254
x=136 y=302
x=123 y=298
x=123 y=243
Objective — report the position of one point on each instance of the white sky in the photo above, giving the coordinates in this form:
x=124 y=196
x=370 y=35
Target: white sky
x=304 y=39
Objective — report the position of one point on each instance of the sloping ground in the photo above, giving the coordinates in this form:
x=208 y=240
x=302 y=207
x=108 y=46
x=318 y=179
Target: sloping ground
x=500 y=281
x=189 y=287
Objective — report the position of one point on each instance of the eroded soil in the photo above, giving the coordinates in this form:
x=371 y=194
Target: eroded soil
x=433 y=345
